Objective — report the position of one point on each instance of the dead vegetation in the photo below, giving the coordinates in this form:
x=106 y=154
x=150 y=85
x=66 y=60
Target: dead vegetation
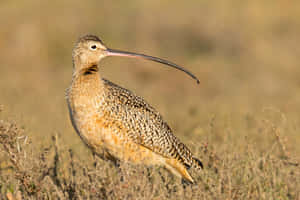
x=54 y=172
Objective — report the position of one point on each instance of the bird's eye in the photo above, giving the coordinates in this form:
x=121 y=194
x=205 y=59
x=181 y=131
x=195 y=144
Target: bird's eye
x=93 y=47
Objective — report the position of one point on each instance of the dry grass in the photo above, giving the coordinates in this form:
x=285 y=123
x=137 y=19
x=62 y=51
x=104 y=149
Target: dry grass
x=55 y=173
x=242 y=121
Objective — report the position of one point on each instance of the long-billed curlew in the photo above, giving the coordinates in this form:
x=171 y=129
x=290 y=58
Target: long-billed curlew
x=117 y=124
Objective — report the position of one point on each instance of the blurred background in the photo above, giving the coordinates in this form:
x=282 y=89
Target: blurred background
x=245 y=53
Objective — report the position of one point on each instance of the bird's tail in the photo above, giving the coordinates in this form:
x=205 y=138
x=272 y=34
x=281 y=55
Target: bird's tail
x=177 y=168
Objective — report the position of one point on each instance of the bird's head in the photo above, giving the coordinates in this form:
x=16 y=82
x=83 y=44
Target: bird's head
x=89 y=50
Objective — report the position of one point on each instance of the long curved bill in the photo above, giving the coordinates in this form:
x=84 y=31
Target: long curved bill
x=114 y=52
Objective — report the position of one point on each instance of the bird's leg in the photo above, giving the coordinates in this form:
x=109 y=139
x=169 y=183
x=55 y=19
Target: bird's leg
x=185 y=183
x=112 y=159
x=94 y=160
x=148 y=173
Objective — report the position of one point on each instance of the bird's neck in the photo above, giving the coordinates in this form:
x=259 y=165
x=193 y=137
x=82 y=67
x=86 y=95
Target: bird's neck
x=88 y=82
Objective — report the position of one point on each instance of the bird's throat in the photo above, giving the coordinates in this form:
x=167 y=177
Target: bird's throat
x=90 y=70
x=86 y=86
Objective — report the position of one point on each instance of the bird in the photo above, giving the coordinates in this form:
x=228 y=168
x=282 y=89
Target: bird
x=115 y=123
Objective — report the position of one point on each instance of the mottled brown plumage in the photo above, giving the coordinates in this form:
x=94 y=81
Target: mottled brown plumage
x=116 y=123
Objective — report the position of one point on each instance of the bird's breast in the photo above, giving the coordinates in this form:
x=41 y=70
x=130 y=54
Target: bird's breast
x=85 y=101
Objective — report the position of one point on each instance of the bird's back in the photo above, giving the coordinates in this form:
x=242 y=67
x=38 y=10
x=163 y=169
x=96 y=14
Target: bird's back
x=144 y=125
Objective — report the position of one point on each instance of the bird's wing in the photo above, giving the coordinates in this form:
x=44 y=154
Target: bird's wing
x=144 y=124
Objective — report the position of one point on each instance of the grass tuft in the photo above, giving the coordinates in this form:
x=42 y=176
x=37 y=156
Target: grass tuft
x=55 y=172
